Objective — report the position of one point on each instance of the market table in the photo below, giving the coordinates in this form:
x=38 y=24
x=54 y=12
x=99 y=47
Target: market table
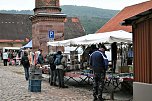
x=78 y=77
x=72 y=75
x=87 y=78
x=116 y=80
x=113 y=80
x=127 y=84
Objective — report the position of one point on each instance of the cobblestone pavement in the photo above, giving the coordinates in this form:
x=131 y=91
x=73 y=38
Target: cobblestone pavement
x=14 y=87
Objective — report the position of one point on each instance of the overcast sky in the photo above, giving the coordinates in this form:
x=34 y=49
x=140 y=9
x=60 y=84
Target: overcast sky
x=105 y=4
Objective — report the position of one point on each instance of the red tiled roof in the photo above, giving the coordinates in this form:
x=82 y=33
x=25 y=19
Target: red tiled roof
x=114 y=23
x=75 y=20
x=73 y=28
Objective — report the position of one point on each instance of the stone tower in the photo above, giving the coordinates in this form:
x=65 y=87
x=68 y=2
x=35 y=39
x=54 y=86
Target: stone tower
x=47 y=17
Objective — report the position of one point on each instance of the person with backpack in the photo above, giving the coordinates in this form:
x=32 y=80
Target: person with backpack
x=53 y=73
x=97 y=63
x=40 y=59
x=60 y=69
x=26 y=64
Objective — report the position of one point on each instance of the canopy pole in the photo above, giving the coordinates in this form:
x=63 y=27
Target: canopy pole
x=48 y=49
x=121 y=55
x=77 y=48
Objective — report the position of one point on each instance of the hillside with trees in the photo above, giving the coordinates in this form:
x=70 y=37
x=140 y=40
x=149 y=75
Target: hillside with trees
x=91 y=18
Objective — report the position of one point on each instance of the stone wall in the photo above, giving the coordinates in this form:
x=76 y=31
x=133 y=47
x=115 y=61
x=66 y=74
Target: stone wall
x=40 y=33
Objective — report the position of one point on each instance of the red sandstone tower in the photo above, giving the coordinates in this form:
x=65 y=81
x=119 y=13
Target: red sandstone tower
x=47 y=17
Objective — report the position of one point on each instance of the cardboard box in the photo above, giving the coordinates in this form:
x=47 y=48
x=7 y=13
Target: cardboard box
x=124 y=69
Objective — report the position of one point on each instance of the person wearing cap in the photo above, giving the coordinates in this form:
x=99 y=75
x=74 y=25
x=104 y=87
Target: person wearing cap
x=98 y=66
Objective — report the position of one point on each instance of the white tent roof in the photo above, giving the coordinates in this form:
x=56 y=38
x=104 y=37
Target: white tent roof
x=59 y=43
x=107 y=37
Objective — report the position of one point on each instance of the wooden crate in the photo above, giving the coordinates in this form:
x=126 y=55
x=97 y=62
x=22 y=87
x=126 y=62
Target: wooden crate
x=124 y=69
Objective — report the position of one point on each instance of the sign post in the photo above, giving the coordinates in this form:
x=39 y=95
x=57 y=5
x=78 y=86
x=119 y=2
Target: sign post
x=51 y=35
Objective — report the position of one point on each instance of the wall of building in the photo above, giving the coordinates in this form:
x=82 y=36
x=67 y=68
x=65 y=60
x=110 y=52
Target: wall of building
x=47 y=17
x=142 y=91
x=46 y=3
x=40 y=31
x=142 y=40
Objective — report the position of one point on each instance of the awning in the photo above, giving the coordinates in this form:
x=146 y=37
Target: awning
x=107 y=37
x=28 y=45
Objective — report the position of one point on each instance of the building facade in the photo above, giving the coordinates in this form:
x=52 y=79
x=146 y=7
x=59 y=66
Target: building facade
x=15 y=30
x=142 y=35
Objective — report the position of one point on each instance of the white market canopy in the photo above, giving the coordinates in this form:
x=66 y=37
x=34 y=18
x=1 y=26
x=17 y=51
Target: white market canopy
x=107 y=37
x=59 y=43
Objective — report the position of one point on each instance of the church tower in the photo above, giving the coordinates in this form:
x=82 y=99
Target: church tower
x=47 y=18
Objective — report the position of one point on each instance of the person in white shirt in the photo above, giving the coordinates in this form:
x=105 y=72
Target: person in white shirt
x=5 y=58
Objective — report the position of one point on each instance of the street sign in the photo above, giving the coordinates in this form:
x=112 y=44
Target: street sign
x=51 y=34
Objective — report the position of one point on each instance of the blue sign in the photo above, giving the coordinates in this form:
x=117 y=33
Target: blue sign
x=51 y=34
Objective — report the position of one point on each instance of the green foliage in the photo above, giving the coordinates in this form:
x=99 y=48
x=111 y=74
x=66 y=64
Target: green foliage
x=92 y=24
x=92 y=19
x=29 y=12
x=71 y=10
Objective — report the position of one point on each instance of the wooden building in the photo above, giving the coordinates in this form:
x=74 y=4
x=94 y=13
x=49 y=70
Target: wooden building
x=142 y=43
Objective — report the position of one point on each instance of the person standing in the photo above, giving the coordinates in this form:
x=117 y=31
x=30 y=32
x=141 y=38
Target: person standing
x=59 y=69
x=0 y=55
x=5 y=58
x=26 y=64
x=40 y=59
x=97 y=63
x=53 y=73
x=10 y=56
x=114 y=56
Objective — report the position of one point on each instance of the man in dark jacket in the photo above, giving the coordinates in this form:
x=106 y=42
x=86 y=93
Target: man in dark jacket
x=40 y=58
x=26 y=64
x=98 y=65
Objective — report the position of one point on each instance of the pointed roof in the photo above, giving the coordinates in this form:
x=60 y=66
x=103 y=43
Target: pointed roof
x=115 y=23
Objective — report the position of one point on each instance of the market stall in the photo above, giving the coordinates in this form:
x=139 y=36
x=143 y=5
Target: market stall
x=121 y=37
